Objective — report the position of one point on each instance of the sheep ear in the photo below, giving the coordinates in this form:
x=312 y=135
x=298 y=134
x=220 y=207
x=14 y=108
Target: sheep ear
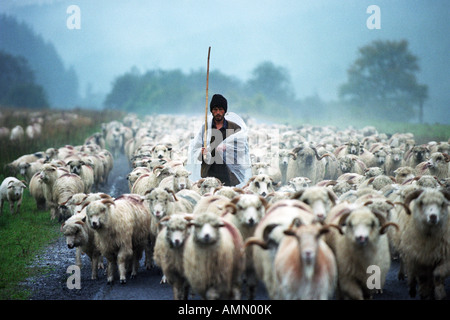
x=324 y=230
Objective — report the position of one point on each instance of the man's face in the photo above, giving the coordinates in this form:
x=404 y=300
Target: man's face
x=218 y=113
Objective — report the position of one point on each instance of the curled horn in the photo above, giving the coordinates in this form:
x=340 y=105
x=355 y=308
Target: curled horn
x=171 y=192
x=108 y=201
x=408 y=212
x=157 y=167
x=383 y=222
x=331 y=183
x=232 y=207
x=412 y=196
x=298 y=194
x=317 y=154
x=254 y=240
x=296 y=222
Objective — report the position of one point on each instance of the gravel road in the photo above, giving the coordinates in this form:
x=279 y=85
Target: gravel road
x=146 y=286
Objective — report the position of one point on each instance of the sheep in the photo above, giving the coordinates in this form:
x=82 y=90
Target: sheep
x=36 y=189
x=11 y=190
x=269 y=233
x=134 y=175
x=168 y=253
x=213 y=258
x=85 y=172
x=283 y=160
x=415 y=155
x=122 y=228
x=320 y=199
x=13 y=167
x=206 y=185
x=162 y=151
x=304 y=265
x=245 y=211
x=62 y=189
x=229 y=192
x=76 y=203
x=162 y=203
x=403 y=174
x=305 y=162
x=359 y=244
x=351 y=164
x=178 y=181
x=115 y=140
x=80 y=236
x=261 y=184
x=28 y=169
x=149 y=181
x=437 y=165
x=393 y=161
x=299 y=183
x=424 y=244
x=17 y=133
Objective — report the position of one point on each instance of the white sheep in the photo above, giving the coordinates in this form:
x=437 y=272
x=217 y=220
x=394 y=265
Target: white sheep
x=168 y=253
x=149 y=181
x=320 y=199
x=162 y=203
x=134 y=175
x=206 y=185
x=17 y=133
x=425 y=242
x=11 y=190
x=213 y=259
x=305 y=162
x=63 y=188
x=245 y=211
x=36 y=188
x=122 y=229
x=261 y=184
x=178 y=181
x=268 y=235
x=438 y=165
x=360 y=244
x=80 y=236
x=304 y=265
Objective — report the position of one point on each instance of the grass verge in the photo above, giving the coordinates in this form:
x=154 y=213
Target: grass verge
x=23 y=236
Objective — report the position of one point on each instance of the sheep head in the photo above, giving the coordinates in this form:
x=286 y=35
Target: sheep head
x=248 y=208
x=430 y=206
x=206 y=228
x=97 y=213
x=362 y=227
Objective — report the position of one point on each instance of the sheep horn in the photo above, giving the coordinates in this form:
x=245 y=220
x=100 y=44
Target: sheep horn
x=294 y=156
x=389 y=224
x=172 y=192
x=298 y=194
x=413 y=195
x=231 y=206
x=253 y=240
x=407 y=210
x=337 y=227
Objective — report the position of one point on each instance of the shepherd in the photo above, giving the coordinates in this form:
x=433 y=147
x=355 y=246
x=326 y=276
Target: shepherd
x=220 y=148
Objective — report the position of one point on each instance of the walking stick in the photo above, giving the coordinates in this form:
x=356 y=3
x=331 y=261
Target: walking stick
x=206 y=103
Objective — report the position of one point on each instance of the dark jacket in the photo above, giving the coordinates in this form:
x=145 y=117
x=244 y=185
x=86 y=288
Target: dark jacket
x=220 y=171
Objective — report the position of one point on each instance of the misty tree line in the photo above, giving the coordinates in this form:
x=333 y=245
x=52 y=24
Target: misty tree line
x=381 y=83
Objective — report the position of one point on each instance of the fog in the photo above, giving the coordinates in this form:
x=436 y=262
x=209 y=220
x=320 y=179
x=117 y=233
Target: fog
x=315 y=40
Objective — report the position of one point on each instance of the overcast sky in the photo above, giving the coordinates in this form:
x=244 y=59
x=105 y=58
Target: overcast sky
x=315 y=40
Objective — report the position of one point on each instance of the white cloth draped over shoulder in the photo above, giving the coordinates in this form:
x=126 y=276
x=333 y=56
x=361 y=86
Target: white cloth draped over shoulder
x=236 y=155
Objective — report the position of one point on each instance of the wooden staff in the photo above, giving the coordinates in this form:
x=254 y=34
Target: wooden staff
x=206 y=104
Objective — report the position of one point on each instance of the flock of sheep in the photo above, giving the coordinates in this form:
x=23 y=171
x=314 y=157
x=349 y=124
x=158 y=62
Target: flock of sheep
x=322 y=217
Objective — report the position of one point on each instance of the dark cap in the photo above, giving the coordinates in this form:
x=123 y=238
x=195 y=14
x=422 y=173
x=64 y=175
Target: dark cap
x=218 y=100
